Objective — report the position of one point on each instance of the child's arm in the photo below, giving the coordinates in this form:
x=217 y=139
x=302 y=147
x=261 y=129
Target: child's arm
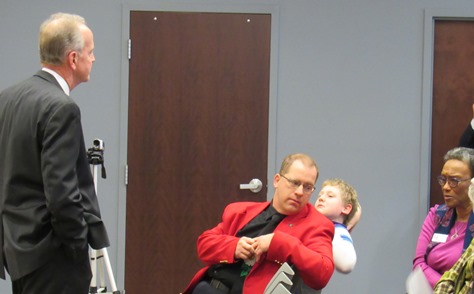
x=344 y=254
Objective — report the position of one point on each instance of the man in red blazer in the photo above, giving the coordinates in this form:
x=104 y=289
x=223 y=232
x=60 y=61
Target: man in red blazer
x=242 y=253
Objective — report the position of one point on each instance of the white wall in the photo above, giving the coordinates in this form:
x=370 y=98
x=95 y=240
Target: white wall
x=349 y=92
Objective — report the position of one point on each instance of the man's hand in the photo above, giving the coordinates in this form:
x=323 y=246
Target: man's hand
x=244 y=249
x=261 y=245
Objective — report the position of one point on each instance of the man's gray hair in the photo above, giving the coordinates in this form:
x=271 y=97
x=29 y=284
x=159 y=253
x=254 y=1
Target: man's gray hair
x=59 y=35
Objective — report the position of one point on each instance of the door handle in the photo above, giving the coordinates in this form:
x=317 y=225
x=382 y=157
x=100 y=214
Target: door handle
x=255 y=186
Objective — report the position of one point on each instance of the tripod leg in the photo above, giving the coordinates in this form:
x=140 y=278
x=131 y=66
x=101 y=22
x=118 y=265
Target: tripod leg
x=109 y=270
x=101 y=288
x=93 y=257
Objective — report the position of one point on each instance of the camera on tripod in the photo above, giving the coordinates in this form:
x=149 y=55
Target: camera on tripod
x=95 y=154
x=98 y=144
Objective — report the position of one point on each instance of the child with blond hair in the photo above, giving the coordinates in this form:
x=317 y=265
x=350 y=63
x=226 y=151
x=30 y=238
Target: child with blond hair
x=338 y=201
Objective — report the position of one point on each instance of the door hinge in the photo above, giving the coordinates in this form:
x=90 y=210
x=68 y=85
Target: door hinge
x=129 y=49
x=126 y=174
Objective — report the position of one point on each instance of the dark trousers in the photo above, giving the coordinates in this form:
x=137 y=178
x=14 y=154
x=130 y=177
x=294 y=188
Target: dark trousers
x=205 y=288
x=61 y=275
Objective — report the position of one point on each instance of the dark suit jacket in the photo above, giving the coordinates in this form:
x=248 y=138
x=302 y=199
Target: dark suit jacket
x=467 y=138
x=47 y=195
x=303 y=240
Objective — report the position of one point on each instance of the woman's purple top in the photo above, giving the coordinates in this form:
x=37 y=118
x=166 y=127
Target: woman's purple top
x=444 y=255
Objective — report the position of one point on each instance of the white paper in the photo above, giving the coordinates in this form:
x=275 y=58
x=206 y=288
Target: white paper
x=417 y=283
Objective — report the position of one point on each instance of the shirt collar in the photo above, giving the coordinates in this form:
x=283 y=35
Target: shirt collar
x=60 y=79
x=270 y=211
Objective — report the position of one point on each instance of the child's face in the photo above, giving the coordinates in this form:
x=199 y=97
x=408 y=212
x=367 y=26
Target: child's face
x=330 y=203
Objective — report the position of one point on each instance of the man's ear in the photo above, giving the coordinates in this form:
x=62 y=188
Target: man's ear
x=276 y=179
x=72 y=59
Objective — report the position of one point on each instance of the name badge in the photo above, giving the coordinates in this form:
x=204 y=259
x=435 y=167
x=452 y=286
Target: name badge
x=439 y=238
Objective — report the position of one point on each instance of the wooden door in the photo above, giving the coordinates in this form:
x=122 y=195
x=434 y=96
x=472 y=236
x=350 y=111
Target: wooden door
x=198 y=128
x=453 y=91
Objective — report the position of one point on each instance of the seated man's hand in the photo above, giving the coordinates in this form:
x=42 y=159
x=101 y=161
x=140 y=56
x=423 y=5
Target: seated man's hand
x=244 y=249
x=261 y=245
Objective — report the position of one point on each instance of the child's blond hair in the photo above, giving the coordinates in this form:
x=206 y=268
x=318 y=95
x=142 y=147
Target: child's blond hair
x=348 y=195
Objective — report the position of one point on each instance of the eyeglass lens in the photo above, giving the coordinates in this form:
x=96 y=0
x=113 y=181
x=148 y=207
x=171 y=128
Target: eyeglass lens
x=307 y=188
x=452 y=182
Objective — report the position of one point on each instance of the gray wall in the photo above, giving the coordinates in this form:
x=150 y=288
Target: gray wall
x=352 y=88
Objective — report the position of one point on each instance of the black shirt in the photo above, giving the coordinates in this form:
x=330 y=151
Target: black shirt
x=233 y=274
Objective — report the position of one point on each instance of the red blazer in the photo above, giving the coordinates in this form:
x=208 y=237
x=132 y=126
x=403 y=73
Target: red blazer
x=303 y=240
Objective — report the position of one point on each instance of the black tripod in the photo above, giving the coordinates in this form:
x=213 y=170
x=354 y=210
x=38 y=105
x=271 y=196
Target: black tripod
x=99 y=257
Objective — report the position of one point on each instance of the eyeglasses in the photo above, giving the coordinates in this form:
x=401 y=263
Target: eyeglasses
x=452 y=182
x=307 y=188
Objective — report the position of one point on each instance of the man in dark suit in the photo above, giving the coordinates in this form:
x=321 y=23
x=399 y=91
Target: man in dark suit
x=467 y=138
x=49 y=209
x=244 y=251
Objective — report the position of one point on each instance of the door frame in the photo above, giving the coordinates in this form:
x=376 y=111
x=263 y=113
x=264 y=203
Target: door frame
x=273 y=10
x=431 y=15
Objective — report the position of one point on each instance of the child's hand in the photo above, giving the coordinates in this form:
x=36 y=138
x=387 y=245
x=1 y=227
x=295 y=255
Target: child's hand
x=355 y=219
